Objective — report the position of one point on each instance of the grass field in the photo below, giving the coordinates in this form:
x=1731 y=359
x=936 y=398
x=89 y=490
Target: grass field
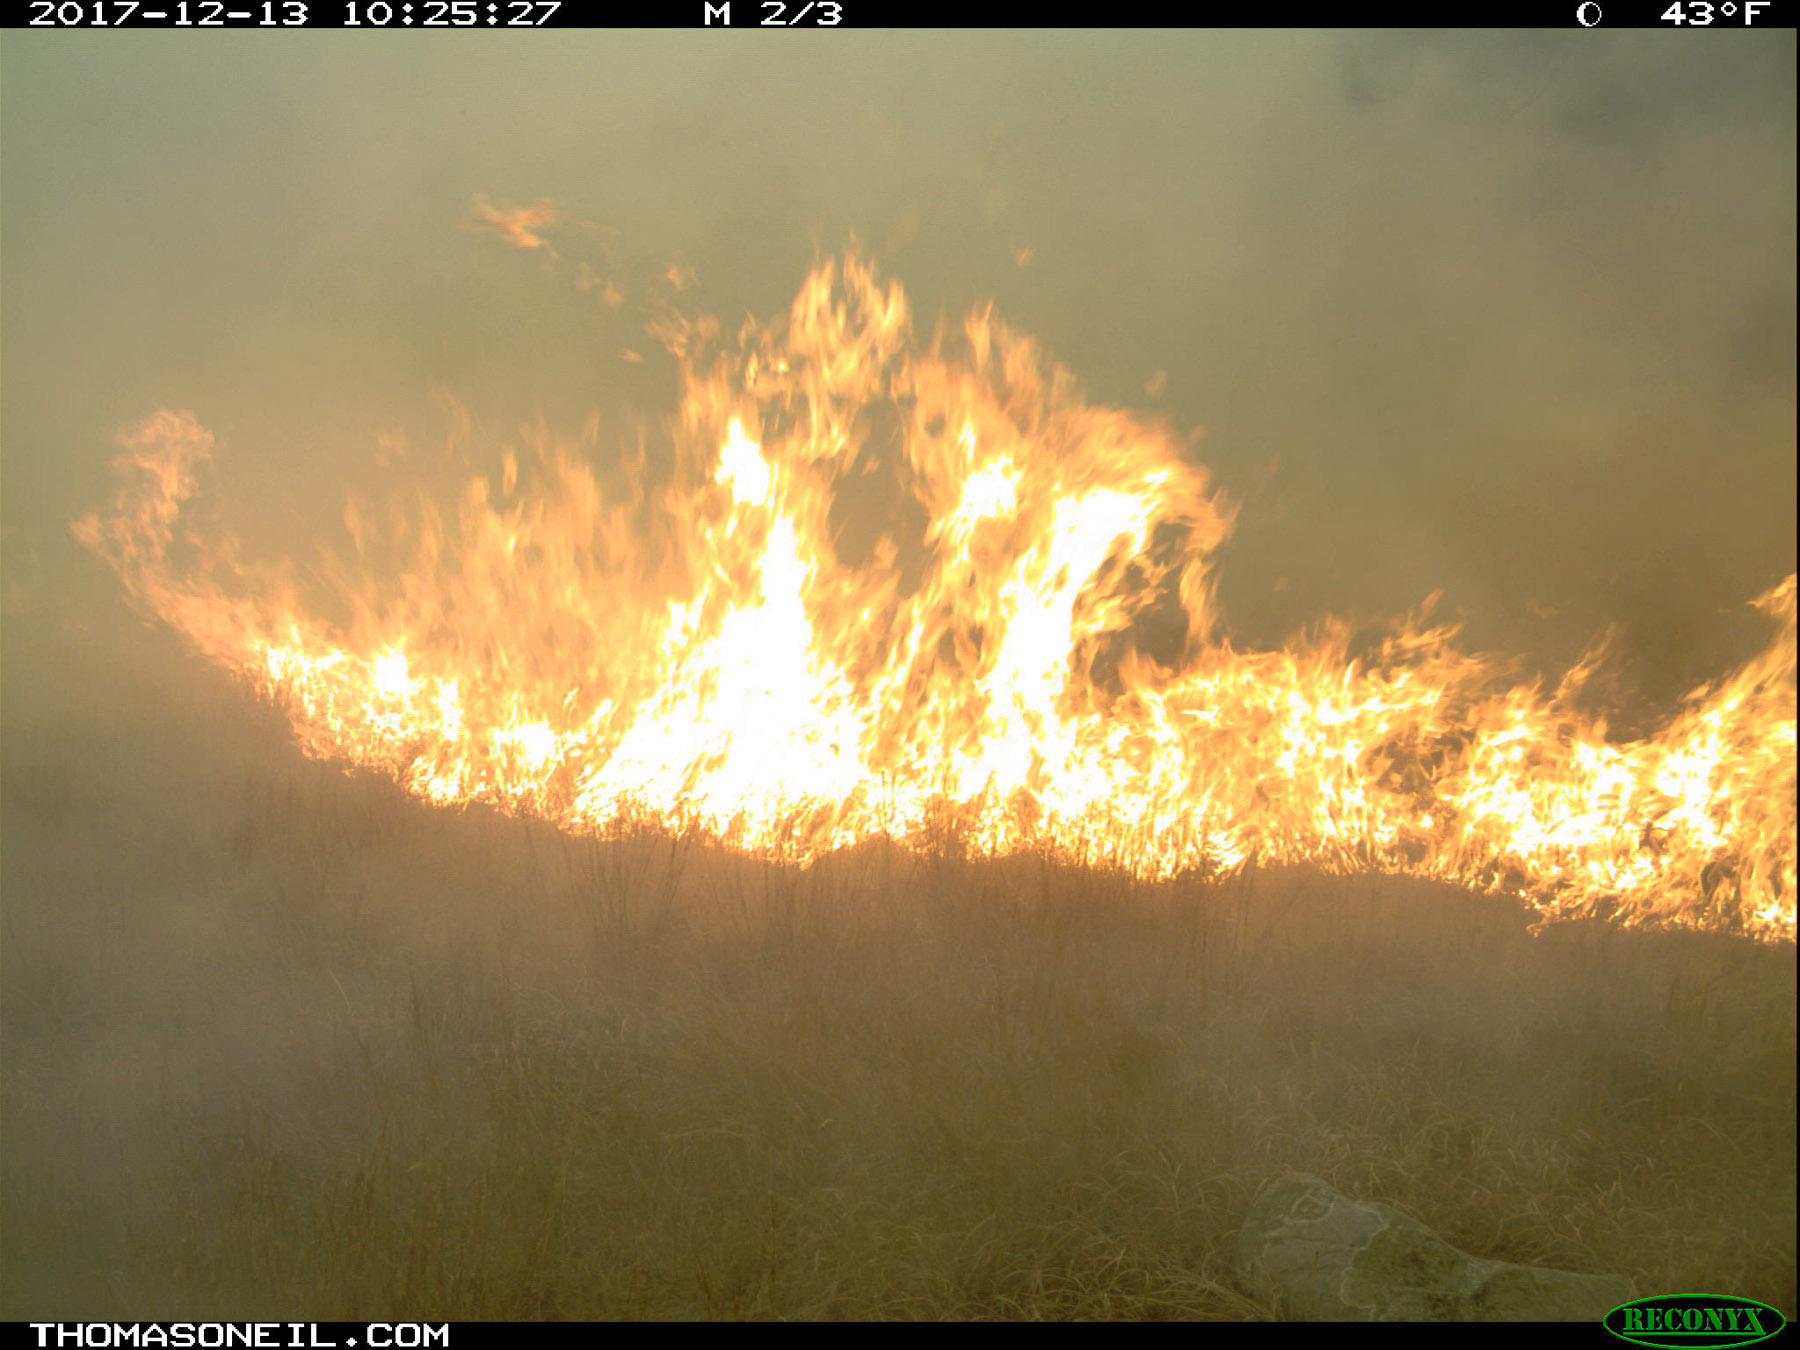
x=279 y=1042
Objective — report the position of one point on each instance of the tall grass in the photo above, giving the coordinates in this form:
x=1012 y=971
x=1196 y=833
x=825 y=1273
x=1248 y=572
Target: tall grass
x=280 y=1043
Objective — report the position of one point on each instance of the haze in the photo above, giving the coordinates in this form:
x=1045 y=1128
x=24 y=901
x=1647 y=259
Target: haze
x=1505 y=316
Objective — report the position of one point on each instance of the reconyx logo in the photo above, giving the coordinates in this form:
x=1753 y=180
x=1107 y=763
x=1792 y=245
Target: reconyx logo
x=1686 y=1320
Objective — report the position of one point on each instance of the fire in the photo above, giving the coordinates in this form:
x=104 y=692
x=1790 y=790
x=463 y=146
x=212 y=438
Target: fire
x=520 y=226
x=714 y=653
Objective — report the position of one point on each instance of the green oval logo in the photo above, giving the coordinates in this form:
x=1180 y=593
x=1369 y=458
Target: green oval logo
x=1679 y=1321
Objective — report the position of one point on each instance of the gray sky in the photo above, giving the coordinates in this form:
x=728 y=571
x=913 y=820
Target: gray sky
x=1507 y=315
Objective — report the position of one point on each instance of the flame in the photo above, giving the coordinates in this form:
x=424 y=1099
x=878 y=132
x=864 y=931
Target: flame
x=519 y=226
x=716 y=654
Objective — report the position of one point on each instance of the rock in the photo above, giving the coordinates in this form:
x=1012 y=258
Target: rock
x=1323 y=1257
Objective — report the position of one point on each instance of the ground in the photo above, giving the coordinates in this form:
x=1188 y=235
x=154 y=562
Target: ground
x=282 y=1042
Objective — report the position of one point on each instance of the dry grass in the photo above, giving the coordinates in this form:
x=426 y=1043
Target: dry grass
x=279 y=1042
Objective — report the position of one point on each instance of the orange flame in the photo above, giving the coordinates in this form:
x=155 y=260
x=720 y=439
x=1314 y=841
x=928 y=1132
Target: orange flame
x=519 y=226
x=740 y=668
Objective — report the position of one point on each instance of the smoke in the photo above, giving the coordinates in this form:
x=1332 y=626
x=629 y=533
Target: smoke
x=1505 y=316
x=1509 y=316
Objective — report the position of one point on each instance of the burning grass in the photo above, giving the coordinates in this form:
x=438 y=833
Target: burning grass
x=281 y=1042
x=717 y=651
